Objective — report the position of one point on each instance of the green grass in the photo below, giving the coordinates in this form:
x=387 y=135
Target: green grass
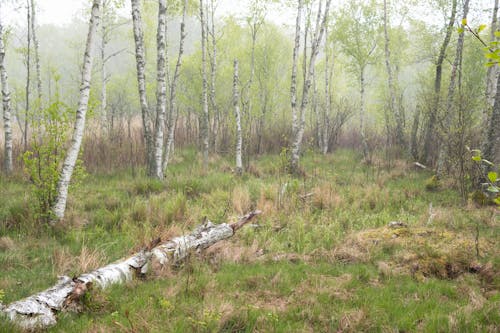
x=296 y=283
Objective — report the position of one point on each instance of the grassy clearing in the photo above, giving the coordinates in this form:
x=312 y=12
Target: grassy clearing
x=321 y=260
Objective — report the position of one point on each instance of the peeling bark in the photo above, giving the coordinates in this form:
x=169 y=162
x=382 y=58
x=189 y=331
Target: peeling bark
x=40 y=310
x=204 y=94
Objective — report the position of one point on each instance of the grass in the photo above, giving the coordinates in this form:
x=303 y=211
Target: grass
x=321 y=259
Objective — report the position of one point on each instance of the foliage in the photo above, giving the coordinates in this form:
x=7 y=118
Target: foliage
x=490 y=184
x=43 y=162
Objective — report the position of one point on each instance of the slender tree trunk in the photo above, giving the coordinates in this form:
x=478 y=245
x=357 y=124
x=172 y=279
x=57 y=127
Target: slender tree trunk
x=414 y=134
x=362 y=111
x=36 y=46
x=293 y=86
x=328 y=101
x=8 y=165
x=74 y=149
x=141 y=79
x=429 y=139
x=104 y=99
x=395 y=109
x=316 y=40
x=491 y=141
x=161 y=90
x=173 y=90
x=213 y=77
x=492 y=73
x=28 y=77
x=450 y=107
x=204 y=97
x=236 y=105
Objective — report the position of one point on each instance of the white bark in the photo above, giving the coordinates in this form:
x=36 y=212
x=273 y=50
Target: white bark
x=8 y=166
x=316 y=40
x=293 y=86
x=161 y=89
x=140 y=58
x=237 y=115
x=36 y=46
x=40 y=310
x=76 y=141
x=173 y=90
x=204 y=95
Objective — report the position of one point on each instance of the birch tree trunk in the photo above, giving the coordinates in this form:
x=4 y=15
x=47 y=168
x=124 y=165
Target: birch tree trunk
x=161 y=90
x=40 y=311
x=36 y=46
x=295 y=60
x=492 y=70
x=395 y=109
x=328 y=101
x=236 y=105
x=213 y=78
x=204 y=95
x=362 y=111
x=316 y=40
x=28 y=76
x=72 y=154
x=173 y=90
x=141 y=80
x=104 y=92
x=429 y=138
x=450 y=108
x=8 y=165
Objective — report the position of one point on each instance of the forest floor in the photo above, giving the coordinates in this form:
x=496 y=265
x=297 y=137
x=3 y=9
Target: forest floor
x=321 y=257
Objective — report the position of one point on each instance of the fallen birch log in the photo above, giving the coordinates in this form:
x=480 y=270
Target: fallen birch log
x=40 y=310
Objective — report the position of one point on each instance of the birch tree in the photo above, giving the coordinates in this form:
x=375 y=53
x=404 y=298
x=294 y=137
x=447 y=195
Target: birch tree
x=8 y=165
x=36 y=47
x=393 y=107
x=173 y=112
x=161 y=90
x=356 y=21
x=298 y=124
x=237 y=116
x=204 y=95
x=429 y=138
x=449 y=111
x=76 y=141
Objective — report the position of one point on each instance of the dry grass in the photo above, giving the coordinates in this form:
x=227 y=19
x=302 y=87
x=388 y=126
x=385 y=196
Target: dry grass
x=90 y=259
x=241 y=199
x=421 y=252
x=325 y=197
x=6 y=243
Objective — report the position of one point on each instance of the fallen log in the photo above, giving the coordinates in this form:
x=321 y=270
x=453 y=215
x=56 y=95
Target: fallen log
x=40 y=310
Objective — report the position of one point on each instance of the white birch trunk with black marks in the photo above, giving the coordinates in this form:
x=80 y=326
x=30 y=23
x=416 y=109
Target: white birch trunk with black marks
x=7 y=126
x=40 y=311
x=140 y=59
x=161 y=90
x=316 y=40
x=237 y=115
x=72 y=154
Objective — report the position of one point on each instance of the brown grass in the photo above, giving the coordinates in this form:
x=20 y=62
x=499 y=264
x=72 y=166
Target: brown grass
x=241 y=199
x=6 y=243
x=90 y=259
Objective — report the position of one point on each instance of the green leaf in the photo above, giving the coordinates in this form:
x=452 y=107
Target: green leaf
x=476 y=158
x=464 y=21
x=481 y=28
x=492 y=176
x=497 y=200
x=493 y=189
x=497 y=33
x=460 y=30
